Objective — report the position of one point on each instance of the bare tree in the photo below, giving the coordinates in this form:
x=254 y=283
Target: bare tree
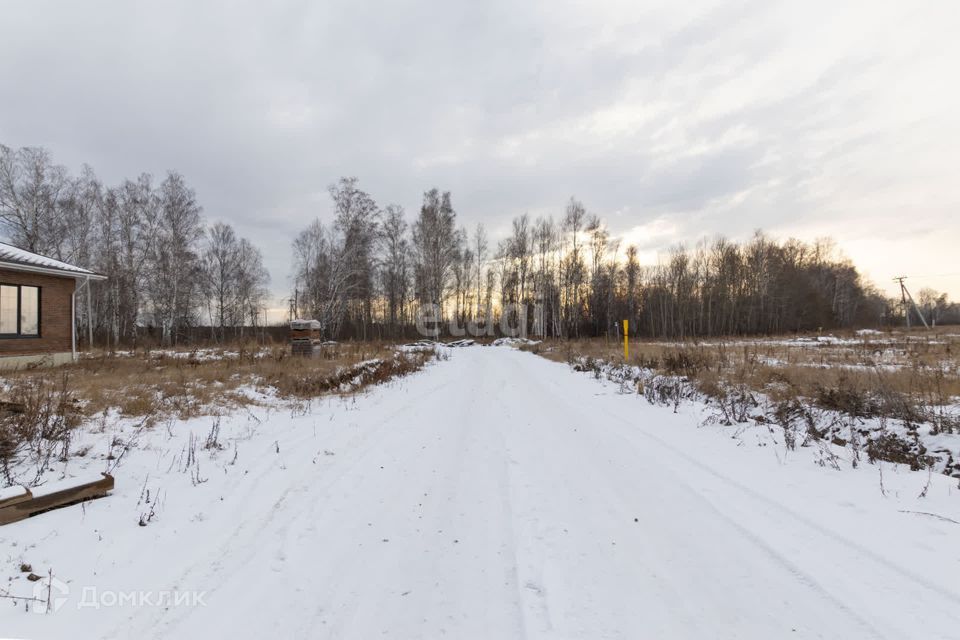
x=436 y=244
x=220 y=267
x=573 y=270
x=632 y=285
x=250 y=283
x=479 y=245
x=323 y=275
x=395 y=265
x=357 y=217
x=172 y=253
x=31 y=188
x=145 y=239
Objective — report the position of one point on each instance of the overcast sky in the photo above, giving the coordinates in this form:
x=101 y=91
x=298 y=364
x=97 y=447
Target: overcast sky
x=672 y=120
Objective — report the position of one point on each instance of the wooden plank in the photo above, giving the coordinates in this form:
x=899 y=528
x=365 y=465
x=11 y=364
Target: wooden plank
x=13 y=495
x=55 y=496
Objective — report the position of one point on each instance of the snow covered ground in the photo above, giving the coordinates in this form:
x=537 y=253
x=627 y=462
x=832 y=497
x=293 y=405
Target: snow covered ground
x=494 y=494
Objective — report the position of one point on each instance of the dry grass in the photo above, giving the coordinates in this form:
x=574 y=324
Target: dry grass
x=40 y=408
x=187 y=384
x=885 y=395
x=870 y=375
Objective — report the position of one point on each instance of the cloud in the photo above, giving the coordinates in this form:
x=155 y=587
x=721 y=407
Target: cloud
x=671 y=120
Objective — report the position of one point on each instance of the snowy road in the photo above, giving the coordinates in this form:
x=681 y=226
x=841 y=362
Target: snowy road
x=498 y=495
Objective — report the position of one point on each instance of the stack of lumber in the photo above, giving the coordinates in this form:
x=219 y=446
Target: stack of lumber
x=18 y=503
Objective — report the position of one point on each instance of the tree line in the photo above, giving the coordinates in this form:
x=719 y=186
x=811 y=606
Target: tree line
x=168 y=270
x=370 y=271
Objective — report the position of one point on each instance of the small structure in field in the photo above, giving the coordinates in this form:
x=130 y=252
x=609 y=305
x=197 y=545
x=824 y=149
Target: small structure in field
x=38 y=307
x=304 y=336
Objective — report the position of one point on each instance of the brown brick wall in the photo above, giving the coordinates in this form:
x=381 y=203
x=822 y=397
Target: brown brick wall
x=54 y=314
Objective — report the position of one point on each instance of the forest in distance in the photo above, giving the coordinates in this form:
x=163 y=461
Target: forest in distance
x=365 y=270
x=369 y=271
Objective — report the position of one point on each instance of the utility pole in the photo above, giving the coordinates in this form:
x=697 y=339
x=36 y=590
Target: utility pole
x=904 y=294
x=903 y=298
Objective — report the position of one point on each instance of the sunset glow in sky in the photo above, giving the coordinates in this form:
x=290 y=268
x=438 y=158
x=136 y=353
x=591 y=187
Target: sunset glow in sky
x=673 y=121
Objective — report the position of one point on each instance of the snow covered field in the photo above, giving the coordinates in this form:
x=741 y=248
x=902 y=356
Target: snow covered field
x=494 y=494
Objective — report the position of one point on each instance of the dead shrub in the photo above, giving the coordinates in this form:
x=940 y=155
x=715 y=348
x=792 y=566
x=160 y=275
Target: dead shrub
x=684 y=363
x=845 y=399
x=710 y=385
x=891 y=447
x=668 y=390
x=345 y=379
x=38 y=426
x=795 y=417
x=733 y=405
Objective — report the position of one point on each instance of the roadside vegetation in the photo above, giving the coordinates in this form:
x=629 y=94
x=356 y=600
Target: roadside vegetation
x=41 y=407
x=891 y=396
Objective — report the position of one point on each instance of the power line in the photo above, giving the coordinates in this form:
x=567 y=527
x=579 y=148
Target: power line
x=936 y=275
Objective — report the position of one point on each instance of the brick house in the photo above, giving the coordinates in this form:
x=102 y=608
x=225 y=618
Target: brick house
x=37 y=307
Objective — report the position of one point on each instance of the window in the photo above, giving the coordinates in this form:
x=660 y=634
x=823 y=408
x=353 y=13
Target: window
x=29 y=311
x=8 y=309
x=19 y=311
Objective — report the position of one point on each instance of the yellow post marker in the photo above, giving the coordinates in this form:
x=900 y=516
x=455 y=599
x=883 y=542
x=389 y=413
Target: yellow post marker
x=626 y=341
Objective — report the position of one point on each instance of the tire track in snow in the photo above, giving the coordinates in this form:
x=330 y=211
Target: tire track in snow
x=244 y=538
x=815 y=528
x=671 y=474
x=560 y=411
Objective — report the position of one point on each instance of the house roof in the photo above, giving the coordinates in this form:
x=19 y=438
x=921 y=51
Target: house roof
x=17 y=259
